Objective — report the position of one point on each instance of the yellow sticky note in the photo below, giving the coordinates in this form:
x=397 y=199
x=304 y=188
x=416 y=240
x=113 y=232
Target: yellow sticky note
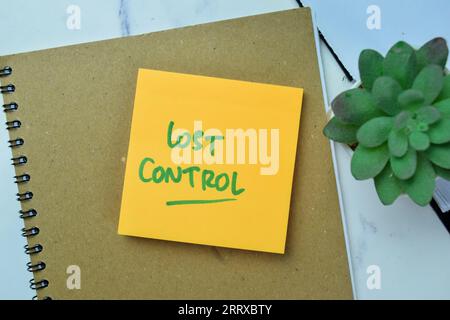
x=210 y=161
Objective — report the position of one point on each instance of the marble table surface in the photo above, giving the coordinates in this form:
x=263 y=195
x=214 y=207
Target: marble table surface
x=405 y=247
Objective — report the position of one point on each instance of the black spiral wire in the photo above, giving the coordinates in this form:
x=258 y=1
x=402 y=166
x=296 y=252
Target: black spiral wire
x=23 y=179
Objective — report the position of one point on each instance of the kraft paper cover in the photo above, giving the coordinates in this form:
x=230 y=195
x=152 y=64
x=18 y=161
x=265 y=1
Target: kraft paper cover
x=75 y=105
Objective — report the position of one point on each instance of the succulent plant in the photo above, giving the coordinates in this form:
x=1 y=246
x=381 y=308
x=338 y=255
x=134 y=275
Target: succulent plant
x=399 y=120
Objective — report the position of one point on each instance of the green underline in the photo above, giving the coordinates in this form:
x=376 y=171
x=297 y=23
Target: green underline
x=181 y=202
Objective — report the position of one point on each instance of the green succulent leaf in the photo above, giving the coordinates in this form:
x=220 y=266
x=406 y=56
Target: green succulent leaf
x=419 y=140
x=430 y=82
x=443 y=173
x=375 y=132
x=385 y=92
x=398 y=143
x=440 y=132
x=433 y=52
x=355 y=106
x=443 y=107
x=369 y=162
x=445 y=93
x=387 y=186
x=439 y=154
x=411 y=99
x=405 y=167
x=370 y=67
x=341 y=132
x=420 y=187
x=428 y=115
x=402 y=119
x=401 y=64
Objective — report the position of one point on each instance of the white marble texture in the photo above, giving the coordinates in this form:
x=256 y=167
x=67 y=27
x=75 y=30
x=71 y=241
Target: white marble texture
x=409 y=245
x=344 y=22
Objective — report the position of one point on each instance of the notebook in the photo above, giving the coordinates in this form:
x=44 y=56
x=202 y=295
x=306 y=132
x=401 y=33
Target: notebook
x=75 y=107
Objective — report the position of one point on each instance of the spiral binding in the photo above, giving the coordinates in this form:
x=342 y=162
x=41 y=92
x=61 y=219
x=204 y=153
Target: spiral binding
x=22 y=179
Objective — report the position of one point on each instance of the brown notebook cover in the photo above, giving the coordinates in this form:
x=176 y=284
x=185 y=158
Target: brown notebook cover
x=75 y=105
